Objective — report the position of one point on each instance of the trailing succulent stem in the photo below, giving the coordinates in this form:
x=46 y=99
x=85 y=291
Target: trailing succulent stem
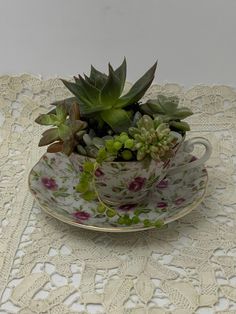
x=87 y=189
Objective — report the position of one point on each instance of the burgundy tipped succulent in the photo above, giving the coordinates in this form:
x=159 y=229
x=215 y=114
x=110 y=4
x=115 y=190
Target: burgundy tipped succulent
x=68 y=130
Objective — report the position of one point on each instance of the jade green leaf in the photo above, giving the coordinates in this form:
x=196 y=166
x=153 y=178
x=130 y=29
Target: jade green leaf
x=88 y=99
x=88 y=80
x=98 y=78
x=49 y=137
x=182 y=113
x=121 y=74
x=168 y=104
x=73 y=87
x=78 y=91
x=152 y=106
x=47 y=119
x=91 y=91
x=169 y=107
x=117 y=119
x=86 y=106
x=138 y=89
x=61 y=113
x=111 y=91
x=183 y=126
x=64 y=131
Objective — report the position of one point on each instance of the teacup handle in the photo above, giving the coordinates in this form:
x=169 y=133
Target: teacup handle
x=188 y=147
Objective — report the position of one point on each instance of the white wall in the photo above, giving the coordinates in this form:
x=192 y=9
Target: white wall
x=194 y=40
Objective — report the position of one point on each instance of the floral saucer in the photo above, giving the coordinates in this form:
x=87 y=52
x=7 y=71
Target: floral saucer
x=53 y=179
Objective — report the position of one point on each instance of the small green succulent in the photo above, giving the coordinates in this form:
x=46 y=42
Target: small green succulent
x=99 y=95
x=152 y=138
x=91 y=144
x=68 y=131
x=166 y=108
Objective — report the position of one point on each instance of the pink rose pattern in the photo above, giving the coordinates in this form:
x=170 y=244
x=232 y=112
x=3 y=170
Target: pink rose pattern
x=49 y=183
x=179 y=201
x=163 y=184
x=81 y=215
x=162 y=204
x=127 y=207
x=99 y=173
x=137 y=184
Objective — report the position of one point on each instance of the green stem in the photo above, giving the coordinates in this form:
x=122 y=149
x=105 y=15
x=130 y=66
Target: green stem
x=96 y=165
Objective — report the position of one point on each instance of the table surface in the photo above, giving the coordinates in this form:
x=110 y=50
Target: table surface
x=49 y=267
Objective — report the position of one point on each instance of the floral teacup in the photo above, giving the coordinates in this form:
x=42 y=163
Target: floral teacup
x=119 y=183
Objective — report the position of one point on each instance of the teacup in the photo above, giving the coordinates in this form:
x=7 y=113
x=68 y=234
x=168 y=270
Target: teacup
x=119 y=183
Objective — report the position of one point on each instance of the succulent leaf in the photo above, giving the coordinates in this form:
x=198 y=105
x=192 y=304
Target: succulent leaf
x=117 y=119
x=138 y=89
x=55 y=147
x=98 y=78
x=61 y=113
x=77 y=89
x=64 y=131
x=183 y=126
x=91 y=91
x=99 y=92
x=74 y=112
x=182 y=113
x=73 y=87
x=77 y=80
x=152 y=138
x=111 y=90
x=47 y=119
x=166 y=109
x=67 y=103
x=121 y=74
x=79 y=135
x=49 y=136
x=77 y=125
x=152 y=107
x=68 y=146
x=89 y=80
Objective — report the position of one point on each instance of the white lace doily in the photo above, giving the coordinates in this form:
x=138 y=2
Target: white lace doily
x=49 y=267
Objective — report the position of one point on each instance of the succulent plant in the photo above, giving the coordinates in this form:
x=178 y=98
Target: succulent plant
x=91 y=144
x=152 y=138
x=68 y=131
x=99 y=95
x=166 y=108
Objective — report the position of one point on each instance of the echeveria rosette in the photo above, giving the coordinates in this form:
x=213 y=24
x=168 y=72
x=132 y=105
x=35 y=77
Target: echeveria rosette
x=99 y=95
x=153 y=139
x=166 y=109
x=68 y=131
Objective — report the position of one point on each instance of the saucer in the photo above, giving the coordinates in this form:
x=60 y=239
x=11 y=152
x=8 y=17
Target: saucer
x=53 y=179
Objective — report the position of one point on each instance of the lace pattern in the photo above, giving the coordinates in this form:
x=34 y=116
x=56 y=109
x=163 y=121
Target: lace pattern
x=49 y=267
